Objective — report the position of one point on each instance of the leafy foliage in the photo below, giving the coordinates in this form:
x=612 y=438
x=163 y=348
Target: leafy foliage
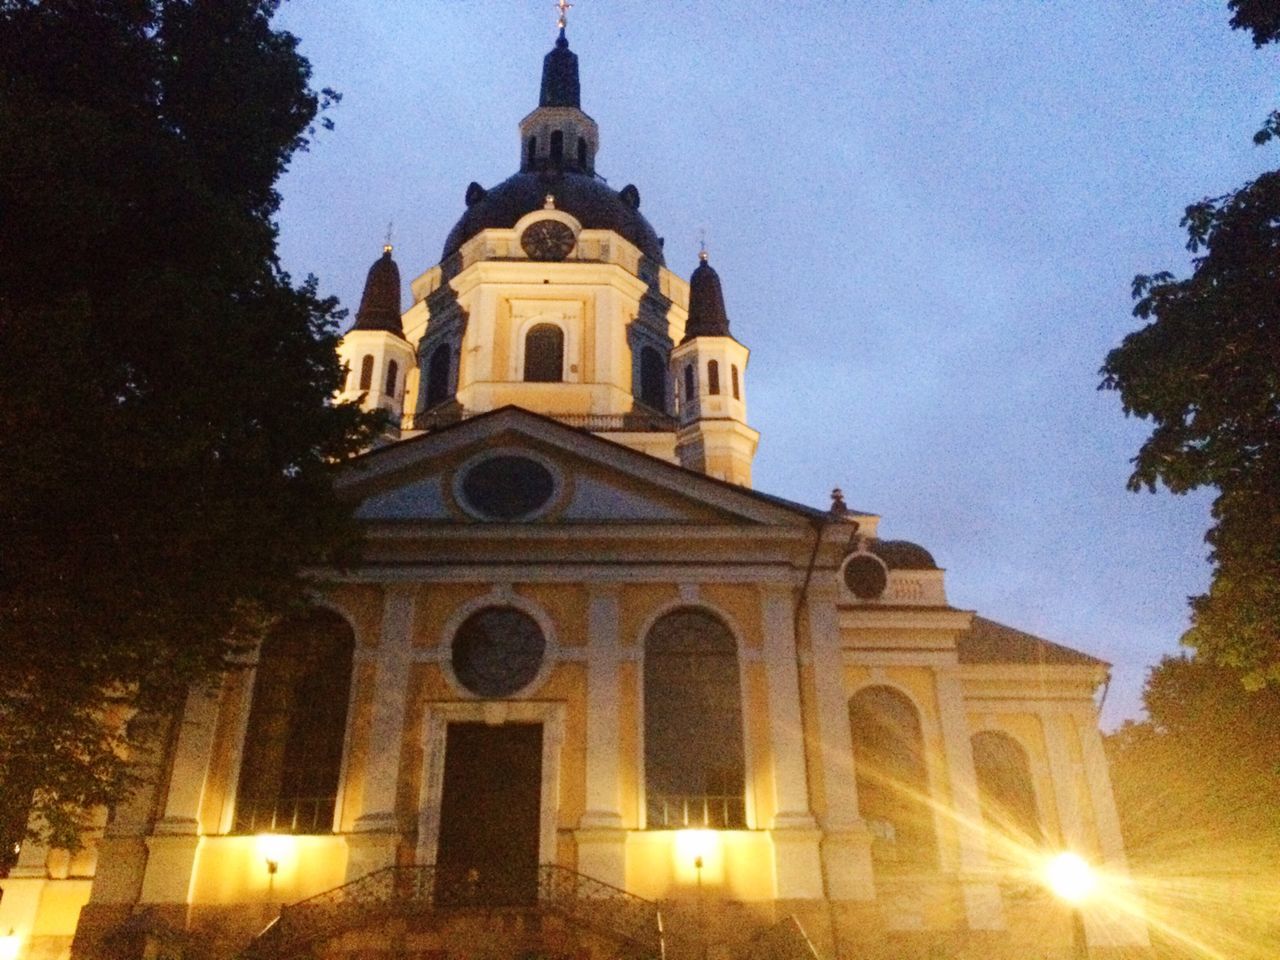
x=1197 y=787
x=166 y=436
x=1206 y=371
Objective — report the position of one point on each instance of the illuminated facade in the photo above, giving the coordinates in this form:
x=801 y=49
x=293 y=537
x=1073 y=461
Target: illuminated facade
x=583 y=674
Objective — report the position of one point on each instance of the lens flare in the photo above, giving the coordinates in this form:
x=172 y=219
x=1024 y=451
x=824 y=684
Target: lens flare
x=1070 y=877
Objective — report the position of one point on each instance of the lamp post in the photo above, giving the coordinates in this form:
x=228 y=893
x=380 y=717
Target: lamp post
x=1073 y=881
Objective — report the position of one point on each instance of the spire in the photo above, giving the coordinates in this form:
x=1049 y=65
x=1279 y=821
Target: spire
x=707 y=317
x=560 y=76
x=380 y=305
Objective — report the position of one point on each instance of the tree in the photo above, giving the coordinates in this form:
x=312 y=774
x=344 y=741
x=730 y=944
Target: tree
x=166 y=435
x=1206 y=371
x=1197 y=787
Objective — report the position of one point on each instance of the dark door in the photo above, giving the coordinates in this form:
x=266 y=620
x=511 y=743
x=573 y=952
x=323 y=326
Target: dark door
x=489 y=815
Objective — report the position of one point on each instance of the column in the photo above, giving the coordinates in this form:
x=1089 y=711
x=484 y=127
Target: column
x=984 y=908
x=795 y=834
x=600 y=836
x=1116 y=920
x=376 y=834
x=171 y=849
x=846 y=848
x=1065 y=792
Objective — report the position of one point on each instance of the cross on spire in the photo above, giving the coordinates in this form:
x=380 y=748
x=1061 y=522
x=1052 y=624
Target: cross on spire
x=563 y=6
x=386 y=246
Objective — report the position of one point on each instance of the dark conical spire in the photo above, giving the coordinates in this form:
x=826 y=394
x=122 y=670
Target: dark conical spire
x=707 y=317
x=560 y=77
x=380 y=305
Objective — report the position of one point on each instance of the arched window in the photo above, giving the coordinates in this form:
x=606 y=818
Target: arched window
x=393 y=375
x=690 y=388
x=713 y=377
x=533 y=150
x=737 y=390
x=438 y=376
x=693 y=758
x=366 y=372
x=557 y=147
x=544 y=354
x=893 y=784
x=653 y=379
x=1005 y=788
x=582 y=152
x=293 y=746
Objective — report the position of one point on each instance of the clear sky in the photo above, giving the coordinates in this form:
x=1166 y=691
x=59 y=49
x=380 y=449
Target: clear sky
x=926 y=217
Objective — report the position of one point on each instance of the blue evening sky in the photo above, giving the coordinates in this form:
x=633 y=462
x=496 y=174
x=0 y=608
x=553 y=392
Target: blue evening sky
x=926 y=216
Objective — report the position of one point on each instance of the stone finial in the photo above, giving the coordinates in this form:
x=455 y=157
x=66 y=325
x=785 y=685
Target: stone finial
x=838 y=507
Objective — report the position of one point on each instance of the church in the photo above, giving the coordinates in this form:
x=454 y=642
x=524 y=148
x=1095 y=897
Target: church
x=585 y=693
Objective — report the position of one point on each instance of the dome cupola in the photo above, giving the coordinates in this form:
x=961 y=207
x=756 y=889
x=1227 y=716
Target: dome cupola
x=560 y=86
x=380 y=304
x=707 y=316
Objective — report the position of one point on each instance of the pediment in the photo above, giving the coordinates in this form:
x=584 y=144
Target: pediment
x=462 y=474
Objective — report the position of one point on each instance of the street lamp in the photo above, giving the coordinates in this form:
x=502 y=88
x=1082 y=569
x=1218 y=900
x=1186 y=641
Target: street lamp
x=1072 y=880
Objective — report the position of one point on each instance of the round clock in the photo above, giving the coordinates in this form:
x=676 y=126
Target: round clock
x=547 y=240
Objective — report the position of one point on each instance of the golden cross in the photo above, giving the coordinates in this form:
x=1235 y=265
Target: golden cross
x=563 y=6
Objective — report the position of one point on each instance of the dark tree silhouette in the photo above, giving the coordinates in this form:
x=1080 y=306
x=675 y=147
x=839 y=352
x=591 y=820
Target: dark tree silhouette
x=166 y=435
x=1206 y=371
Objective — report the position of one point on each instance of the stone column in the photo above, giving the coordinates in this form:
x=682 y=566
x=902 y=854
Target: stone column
x=1116 y=920
x=795 y=834
x=1062 y=770
x=600 y=836
x=376 y=836
x=846 y=847
x=171 y=849
x=984 y=908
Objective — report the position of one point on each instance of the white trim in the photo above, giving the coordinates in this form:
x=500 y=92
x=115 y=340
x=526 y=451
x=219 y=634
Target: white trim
x=570 y=328
x=434 y=736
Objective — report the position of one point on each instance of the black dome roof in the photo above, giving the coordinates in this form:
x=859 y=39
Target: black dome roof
x=380 y=305
x=707 y=316
x=902 y=555
x=590 y=200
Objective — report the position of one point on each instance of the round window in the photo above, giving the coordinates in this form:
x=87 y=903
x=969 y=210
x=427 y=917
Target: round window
x=865 y=576
x=508 y=487
x=497 y=651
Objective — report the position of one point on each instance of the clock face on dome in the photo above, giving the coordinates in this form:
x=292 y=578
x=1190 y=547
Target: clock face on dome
x=547 y=240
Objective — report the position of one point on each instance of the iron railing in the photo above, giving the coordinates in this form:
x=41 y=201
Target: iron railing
x=672 y=811
x=406 y=892
x=289 y=815
x=637 y=421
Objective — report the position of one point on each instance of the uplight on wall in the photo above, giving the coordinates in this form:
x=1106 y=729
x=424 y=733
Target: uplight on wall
x=273 y=848
x=10 y=946
x=699 y=857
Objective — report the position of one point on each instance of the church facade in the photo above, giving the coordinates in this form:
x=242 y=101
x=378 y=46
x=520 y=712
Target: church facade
x=585 y=692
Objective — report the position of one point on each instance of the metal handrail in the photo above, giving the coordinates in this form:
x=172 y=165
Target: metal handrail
x=417 y=890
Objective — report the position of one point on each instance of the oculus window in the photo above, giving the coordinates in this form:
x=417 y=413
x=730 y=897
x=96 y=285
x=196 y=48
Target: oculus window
x=497 y=651
x=694 y=771
x=297 y=724
x=507 y=487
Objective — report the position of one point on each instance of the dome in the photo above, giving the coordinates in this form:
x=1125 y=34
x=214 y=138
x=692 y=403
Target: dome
x=707 y=316
x=380 y=305
x=590 y=200
x=902 y=555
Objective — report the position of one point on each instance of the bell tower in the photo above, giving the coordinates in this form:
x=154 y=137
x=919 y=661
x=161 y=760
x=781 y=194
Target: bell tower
x=374 y=351
x=709 y=368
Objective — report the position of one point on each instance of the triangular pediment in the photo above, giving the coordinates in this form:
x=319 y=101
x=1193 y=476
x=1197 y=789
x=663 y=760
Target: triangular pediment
x=464 y=474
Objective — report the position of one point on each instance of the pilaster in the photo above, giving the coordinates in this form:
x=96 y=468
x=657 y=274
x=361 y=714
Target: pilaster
x=601 y=839
x=983 y=906
x=846 y=848
x=377 y=829
x=192 y=755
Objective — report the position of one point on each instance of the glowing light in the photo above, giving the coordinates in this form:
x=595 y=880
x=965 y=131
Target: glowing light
x=273 y=847
x=10 y=945
x=699 y=856
x=1070 y=877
